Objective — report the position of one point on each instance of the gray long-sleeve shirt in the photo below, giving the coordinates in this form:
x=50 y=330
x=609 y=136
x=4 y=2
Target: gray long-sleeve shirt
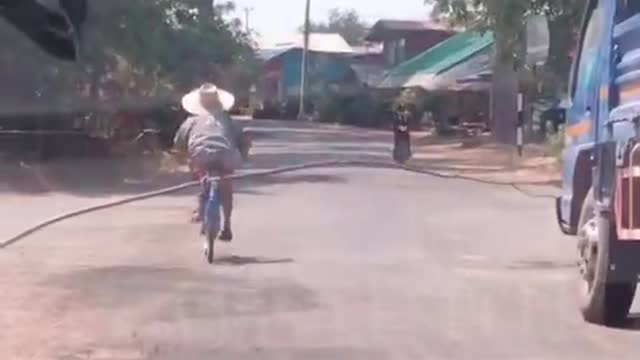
x=208 y=134
x=200 y=134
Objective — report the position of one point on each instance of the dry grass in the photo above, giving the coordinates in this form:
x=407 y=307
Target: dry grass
x=487 y=160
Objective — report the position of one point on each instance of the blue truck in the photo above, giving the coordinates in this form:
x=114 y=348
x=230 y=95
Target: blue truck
x=600 y=202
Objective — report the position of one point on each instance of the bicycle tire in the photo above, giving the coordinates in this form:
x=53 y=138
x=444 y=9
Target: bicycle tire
x=211 y=238
x=211 y=219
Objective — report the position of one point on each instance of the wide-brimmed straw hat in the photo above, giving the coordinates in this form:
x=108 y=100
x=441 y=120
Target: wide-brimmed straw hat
x=198 y=101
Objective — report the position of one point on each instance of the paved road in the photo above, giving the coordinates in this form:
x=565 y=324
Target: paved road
x=327 y=264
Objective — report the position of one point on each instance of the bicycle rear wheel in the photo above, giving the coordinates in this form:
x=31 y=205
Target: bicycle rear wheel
x=212 y=229
x=211 y=238
x=211 y=220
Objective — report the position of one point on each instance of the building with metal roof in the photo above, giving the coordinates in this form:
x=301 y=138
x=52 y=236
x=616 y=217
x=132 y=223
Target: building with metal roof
x=440 y=67
x=404 y=39
x=464 y=61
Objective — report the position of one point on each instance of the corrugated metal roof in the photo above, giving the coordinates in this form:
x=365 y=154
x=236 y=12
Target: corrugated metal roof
x=370 y=49
x=450 y=80
x=445 y=55
x=463 y=62
x=318 y=42
x=384 y=28
x=410 y=25
x=440 y=68
x=268 y=54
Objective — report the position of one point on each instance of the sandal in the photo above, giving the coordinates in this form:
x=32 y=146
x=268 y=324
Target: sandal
x=196 y=218
x=226 y=235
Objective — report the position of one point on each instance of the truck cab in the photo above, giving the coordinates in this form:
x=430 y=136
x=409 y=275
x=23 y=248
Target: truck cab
x=600 y=202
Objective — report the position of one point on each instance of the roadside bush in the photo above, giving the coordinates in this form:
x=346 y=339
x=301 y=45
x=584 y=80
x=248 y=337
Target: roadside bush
x=360 y=111
x=417 y=101
x=327 y=106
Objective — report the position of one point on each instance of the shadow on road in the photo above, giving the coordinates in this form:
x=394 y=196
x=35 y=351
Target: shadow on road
x=542 y=265
x=250 y=260
x=130 y=288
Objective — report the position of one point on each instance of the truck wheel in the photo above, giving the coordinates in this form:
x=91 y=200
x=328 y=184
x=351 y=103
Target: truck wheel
x=602 y=302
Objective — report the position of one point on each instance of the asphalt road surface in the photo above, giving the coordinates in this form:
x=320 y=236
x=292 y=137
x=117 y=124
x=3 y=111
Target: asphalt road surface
x=327 y=264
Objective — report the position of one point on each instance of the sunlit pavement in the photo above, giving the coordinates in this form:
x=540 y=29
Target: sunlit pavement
x=327 y=264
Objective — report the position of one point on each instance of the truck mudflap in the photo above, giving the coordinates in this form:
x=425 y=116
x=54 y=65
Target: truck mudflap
x=623 y=262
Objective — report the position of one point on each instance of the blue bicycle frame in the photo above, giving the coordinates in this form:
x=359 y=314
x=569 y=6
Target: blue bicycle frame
x=210 y=204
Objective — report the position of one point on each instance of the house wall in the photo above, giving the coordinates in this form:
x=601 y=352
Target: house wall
x=394 y=51
x=406 y=46
x=281 y=76
x=321 y=67
x=418 y=43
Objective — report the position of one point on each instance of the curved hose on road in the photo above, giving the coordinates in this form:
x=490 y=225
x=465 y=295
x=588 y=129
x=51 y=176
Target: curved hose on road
x=258 y=174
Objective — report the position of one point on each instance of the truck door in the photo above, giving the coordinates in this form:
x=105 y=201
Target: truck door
x=585 y=85
x=582 y=112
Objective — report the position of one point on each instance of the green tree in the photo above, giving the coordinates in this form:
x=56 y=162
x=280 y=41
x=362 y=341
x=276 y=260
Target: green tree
x=507 y=18
x=139 y=51
x=564 y=19
x=346 y=22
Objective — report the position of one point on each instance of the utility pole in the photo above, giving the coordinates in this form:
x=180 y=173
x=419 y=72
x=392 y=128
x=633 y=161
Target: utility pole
x=247 y=12
x=305 y=51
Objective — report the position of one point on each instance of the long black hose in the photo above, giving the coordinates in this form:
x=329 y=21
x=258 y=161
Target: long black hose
x=306 y=166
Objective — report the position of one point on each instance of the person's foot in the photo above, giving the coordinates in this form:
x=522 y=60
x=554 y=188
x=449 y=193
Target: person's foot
x=226 y=235
x=196 y=218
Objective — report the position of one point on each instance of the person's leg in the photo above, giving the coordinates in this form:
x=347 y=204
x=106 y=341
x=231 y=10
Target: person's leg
x=226 y=194
x=203 y=197
x=197 y=173
x=226 y=197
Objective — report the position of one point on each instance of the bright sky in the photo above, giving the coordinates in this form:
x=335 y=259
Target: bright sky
x=277 y=20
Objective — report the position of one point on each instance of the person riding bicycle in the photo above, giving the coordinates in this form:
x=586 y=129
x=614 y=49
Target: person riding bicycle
x=209 y=140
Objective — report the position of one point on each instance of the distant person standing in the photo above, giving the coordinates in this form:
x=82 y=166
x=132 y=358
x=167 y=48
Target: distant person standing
x=401 y=135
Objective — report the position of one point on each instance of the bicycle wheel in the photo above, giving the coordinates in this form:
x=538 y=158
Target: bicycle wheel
x=211 y=238
x=211 y=220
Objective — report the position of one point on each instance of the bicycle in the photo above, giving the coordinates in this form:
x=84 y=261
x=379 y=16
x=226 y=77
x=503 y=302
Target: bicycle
x=211 y=214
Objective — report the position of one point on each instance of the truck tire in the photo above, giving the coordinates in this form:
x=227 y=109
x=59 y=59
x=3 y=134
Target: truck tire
x=601 y=302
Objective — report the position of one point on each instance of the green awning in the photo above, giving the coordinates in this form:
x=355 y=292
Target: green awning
x=448 y=54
